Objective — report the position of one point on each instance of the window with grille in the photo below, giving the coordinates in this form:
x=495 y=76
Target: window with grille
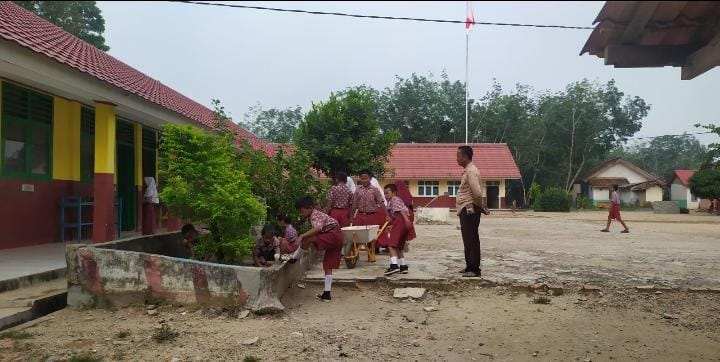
x=87 y=144
x=27 y=118
x=428 y=188
x=453 y=187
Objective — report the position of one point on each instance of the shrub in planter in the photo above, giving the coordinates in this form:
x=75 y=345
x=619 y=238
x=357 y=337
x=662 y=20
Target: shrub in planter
x=553 y=199
x=202 y=181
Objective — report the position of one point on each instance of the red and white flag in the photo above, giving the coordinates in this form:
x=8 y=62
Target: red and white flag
x=470 y=17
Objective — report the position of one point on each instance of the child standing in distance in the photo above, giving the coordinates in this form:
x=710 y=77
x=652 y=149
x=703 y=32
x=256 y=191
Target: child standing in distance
x=267 y=247
x=339 y=200
x=614 y=213
x=324 y=235
x=399 y=233
x=288 y=242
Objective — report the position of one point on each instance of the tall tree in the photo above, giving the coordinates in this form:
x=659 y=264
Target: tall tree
x=343 y=133
x=423 y=109
x=273 y=125
x=80 y=18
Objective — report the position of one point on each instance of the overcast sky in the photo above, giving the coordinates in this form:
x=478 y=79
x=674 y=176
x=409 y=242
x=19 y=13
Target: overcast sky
x=282 y=59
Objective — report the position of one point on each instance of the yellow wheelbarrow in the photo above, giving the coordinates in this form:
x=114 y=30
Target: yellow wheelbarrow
x=360 y=238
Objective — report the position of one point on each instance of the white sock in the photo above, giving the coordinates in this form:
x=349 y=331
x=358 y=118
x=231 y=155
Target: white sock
x=393 y=260
x=297 y=254
x=402 y=261
x=328 y=282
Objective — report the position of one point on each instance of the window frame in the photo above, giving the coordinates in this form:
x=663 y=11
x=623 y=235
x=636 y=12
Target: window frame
x=433 y=185
x=453 y=187
x=29 y=126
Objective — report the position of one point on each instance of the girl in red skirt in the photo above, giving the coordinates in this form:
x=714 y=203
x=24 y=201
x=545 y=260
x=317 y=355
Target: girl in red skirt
x=150 y=202
x=401 y=231
x=324 y=235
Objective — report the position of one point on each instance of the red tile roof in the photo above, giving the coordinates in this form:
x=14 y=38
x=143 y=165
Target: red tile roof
x=438 y=160
x=683 y=176
x=30 y=31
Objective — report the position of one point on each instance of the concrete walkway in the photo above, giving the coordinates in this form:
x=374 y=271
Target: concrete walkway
x=29 y=260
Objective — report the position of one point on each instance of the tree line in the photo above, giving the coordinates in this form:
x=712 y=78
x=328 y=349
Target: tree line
x=554 y=136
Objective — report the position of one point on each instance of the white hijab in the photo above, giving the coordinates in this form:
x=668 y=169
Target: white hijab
x=151 y=191
x=350 y=184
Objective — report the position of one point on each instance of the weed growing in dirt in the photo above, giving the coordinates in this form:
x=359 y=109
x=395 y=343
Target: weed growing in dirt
x=251 y=359
x=165 y=334
x=118 y=355
x=122 y=334
x=16 y=335
x=84 y=358
x=541 y=300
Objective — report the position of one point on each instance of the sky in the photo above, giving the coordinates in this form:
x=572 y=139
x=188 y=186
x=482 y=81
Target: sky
x=244 y=57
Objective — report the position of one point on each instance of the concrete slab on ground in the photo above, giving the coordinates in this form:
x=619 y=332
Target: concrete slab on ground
x=29 y=260
x=25 y=304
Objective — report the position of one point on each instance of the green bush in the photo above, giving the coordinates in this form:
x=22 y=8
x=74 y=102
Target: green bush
x=534 y=192
x=553 y=199
x=202 y=181
x=584 y=203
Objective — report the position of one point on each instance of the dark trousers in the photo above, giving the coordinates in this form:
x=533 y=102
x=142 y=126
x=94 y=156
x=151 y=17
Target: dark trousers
x=470 y=230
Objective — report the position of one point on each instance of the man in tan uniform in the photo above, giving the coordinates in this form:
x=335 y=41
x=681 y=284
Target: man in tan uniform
x=470 y=205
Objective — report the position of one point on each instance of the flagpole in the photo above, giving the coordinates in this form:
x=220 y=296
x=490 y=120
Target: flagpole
x=467 y=51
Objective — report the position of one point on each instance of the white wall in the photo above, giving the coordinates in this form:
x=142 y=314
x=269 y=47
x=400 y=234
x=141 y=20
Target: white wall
x=600 y=194
x=690 y=203
x=623 y=172
x=654 y=194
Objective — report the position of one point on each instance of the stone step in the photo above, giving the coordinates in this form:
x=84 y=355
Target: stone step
x=25 y=304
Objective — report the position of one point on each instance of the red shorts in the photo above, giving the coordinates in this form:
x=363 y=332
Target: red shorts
x=332 y=243
x=376 y=218
x=341 y=215
x=614 y=213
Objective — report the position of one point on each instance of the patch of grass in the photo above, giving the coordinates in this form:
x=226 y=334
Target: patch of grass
x=122 y=334
x=84 y=358
x=251 y=359
x=165 y=334
x=119 y=355
x=541 y=300
x=16 y=335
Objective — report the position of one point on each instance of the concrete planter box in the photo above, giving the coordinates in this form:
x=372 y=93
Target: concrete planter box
x=149 y=268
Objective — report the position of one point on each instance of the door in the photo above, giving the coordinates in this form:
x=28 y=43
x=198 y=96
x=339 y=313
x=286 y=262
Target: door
x=126 y=175
x=493 y=202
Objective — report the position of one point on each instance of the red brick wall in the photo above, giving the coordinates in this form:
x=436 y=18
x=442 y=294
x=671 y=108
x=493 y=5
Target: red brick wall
x=31 y=218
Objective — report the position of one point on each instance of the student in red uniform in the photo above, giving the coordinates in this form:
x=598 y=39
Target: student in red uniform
x=368 y=203
x=614 y=213
x=339 y=200
x=403 y=192
x=399 y=233
x=324 y=235
x=288 y=242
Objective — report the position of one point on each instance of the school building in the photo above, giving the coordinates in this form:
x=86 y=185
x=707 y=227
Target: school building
x=433 y=175
x=680 y=190
x=636 y=186
x=75 y=121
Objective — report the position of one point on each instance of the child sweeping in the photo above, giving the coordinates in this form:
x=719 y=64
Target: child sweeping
x=324 y=235
x=401 y=231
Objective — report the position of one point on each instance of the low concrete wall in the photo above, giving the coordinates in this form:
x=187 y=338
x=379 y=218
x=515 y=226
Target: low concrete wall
x=432 y=215
x=665 y=207
x=149 y=268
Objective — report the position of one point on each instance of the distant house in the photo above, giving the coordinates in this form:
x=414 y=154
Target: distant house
x=637 y=186
x=433 y=176
x=680 y=189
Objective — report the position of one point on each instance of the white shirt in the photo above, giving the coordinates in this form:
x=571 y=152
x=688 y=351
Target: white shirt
x=374 y=183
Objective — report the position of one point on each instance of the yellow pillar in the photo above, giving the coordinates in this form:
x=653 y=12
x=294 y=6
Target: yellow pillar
x=104 y=138
x=66 y=140
x=103 y=190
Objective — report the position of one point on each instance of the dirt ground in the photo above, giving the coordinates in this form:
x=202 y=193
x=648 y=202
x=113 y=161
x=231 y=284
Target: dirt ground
x=365 y=322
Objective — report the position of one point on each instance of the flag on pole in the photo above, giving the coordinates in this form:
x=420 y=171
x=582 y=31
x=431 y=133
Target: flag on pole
x=470 y=17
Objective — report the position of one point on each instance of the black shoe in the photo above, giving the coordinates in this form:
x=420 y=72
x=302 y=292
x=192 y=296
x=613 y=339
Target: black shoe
x=392 y=270
x=325 y=297
x=403 y=269
x=471 y=274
